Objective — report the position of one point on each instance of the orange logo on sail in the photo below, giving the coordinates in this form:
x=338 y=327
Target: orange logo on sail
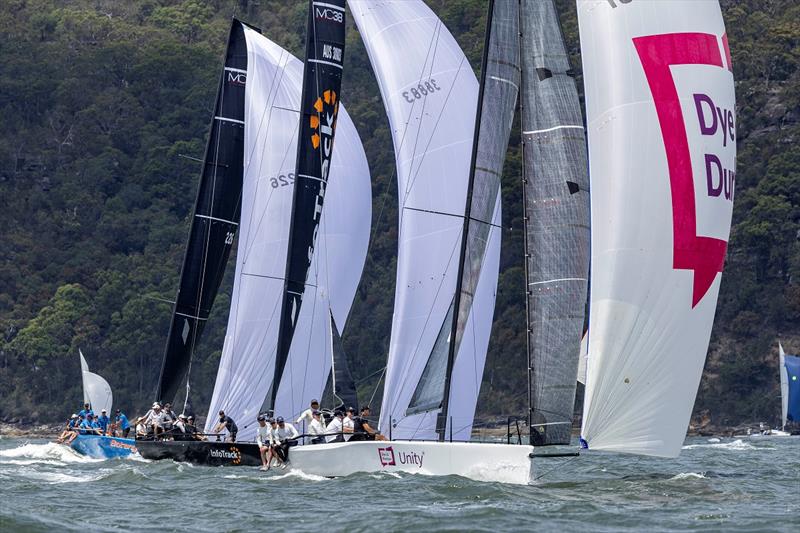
x=328 y=98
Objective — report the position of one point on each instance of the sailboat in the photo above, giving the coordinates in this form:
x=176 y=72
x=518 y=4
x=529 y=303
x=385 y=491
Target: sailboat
x=97 y=393
x=658 y=78
x=790 y=387
x=448 y=259
x=297 y=266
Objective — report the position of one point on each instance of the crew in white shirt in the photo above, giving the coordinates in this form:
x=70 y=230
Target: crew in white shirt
x=334 y=429
x=348 y=426
x=307 y=416
x=263 y=438
x=285 y=436
x=316 y=429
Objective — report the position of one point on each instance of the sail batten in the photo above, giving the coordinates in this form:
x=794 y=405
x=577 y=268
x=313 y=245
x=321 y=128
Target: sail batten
x=556 y=199
x=662 y=180
x=214 y=222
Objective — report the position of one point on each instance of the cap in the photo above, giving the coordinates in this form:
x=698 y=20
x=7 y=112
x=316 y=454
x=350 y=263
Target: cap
x=190 y=417
x=221 y=413
x=74 y=415
x=338 y=412
x=156 y=405
x=102 y=410
x=182 y=416
x=351 y=409
x=279 y=420
x=315 y=401
x=271 y=420
x=261 y=418
x=117 y=411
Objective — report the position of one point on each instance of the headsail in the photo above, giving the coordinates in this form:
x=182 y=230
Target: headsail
x=246 y=370
x=214 y=221
x=662 y=152
x=556 y=198
x=96 y=390
x=790 y=387
x=430 y=94
x=319 y=106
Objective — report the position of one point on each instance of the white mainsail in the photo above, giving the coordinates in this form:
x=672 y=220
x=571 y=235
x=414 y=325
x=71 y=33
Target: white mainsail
x=244 y=378
x=96 y=390
x=784 y=385
x=662 y=151
x=430 y=94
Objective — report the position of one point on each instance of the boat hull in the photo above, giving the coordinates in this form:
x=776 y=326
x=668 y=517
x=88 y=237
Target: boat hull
x=102 y=447
x=503 y=463
x=209 y=453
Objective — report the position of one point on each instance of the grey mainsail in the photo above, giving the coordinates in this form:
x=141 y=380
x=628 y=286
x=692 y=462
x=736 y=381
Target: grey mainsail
x=555 y=189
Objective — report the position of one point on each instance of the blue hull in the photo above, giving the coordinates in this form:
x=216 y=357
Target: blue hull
x=100 y=447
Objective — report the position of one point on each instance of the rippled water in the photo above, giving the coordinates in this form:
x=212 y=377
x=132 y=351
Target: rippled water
x=716 y=484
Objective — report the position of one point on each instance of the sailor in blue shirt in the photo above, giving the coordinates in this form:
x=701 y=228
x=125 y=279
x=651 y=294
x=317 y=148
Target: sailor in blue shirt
x=122 y=423
x=103 y=421
x=87 y=410
x=89 y=426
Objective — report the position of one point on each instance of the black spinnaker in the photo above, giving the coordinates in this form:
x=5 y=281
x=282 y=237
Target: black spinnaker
x=214 y=221
x=319 y=106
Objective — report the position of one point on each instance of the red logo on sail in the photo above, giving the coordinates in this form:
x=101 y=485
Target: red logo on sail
x=705 y=256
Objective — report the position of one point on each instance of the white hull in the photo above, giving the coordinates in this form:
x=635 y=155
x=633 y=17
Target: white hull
x=502 y=463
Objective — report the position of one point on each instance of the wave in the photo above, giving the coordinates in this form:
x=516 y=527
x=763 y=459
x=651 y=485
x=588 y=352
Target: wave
x=688 y=475
x=47 y=453
x=738 y=445
x=296 y=473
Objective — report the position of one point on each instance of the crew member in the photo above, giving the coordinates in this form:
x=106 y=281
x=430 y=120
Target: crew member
x=286 y=437
x=191 y=429
x=362 y=429
x=103 y=421
x=307 y=416
x=334 y=429
x=316 y=429
x=68 y=432
x=87 y=410
x=155 y=419
x=122 y=423
x=263 y=441
x=348 y=423
x=274 y=444
x=169 y=416
x=227 y=423
x=89 y=426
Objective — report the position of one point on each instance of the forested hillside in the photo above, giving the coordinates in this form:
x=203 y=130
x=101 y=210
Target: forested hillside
x=99 y=99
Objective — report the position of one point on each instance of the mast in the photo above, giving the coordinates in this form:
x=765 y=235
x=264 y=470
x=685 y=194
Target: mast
x=556 y=222
x=319 y=106
x=214 y=221
x=441 y=421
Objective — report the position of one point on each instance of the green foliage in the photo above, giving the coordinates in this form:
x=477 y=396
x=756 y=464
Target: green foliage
x=100 y=97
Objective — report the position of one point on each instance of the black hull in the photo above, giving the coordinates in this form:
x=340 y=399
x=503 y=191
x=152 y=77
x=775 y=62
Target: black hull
x=201 y=452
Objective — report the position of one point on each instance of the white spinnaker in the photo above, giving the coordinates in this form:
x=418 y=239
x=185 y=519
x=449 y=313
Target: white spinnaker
x=246 y=369
x=654 y=74
x=784 y=385
x=96 y=390
x=430 y=94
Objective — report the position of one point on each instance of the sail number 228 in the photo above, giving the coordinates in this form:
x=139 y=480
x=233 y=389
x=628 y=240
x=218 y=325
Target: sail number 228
x=421 y=90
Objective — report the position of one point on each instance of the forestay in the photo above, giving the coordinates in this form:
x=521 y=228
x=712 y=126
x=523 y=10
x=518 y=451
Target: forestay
x=430 y=95
x=662 y=151
x=96 y=390
x=246 y=369
x=556 y=198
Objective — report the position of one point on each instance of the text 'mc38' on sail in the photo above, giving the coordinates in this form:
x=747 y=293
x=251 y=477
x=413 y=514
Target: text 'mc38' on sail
x=319 y=106
x=499 y=87
x=214 y=221
x=247 y=365
x=430 y=94
x=662 y=152
x=556 y=198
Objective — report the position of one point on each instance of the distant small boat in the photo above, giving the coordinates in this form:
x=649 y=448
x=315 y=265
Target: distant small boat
x=97 y=393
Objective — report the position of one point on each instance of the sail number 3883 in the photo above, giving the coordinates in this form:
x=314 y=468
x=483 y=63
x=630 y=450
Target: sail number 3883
x=421 y=90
